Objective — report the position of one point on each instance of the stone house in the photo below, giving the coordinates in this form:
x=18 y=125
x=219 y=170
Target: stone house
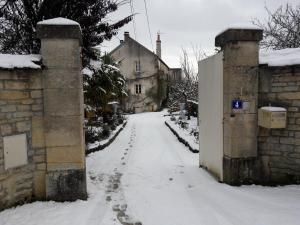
x=175 y=75
x=145 y=72
x=249 y=129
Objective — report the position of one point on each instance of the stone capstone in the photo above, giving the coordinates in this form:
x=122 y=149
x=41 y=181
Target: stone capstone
x=234 y=35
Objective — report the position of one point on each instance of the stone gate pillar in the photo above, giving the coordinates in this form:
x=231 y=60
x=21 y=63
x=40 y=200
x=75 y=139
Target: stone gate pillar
x=63 y=109
x=240 y=75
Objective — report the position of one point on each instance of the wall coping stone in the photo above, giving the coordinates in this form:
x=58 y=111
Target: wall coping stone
x=59 y=31
x=232 y=35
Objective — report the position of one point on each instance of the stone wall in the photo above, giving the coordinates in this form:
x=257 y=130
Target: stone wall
x=41 y=122
x=279 y=149
x=21 y=112
x=253 y=154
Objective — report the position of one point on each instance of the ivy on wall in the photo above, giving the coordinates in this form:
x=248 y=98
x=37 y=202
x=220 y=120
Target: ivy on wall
x=158 y=93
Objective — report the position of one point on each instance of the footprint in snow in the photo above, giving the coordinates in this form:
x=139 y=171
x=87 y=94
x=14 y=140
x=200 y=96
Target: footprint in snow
x=116 y=207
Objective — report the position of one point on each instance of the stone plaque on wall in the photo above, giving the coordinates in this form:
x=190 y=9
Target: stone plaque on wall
x=15 y=151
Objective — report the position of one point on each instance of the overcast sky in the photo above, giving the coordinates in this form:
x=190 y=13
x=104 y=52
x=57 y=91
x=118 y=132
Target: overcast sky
x=183 y=23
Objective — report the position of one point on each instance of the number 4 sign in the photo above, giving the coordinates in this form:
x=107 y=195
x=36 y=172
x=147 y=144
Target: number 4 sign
x=237 y=104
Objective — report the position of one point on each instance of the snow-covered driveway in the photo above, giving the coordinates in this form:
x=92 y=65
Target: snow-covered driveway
x=147 y=177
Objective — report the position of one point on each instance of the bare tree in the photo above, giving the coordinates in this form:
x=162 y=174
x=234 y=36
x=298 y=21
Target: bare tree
x=189 y=62
x=187 y=90
x=282 y=29
x=198 y=52
x=187 y=65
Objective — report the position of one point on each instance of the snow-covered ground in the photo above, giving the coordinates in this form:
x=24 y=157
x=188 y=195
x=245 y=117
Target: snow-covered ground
x=103 y=142
x=147 y=176
x=186 y=133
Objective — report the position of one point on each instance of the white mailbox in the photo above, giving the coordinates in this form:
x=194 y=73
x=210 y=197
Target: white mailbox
x=272 y=117
x=15 y=151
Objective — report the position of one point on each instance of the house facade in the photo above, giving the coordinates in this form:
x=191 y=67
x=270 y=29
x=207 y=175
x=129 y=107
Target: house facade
x=175 y=75
x=145 y=72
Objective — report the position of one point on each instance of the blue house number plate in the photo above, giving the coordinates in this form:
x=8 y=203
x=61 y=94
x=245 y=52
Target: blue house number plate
x=237 y=104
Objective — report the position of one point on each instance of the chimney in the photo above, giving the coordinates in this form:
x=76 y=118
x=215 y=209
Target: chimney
x=158 y=45
x=126 y=35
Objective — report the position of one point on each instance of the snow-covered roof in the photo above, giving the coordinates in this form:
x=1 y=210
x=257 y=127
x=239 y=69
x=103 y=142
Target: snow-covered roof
x=283 y=57
x=241 y=26
x=273 y=109
x=142 y=46
x=8 y=61
x=58 y=21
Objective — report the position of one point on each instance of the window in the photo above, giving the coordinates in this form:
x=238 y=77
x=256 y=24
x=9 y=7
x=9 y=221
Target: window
x=137 y=66
x=138 y=88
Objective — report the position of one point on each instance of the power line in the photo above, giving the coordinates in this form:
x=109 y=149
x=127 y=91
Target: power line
x=150 y=35
x=133 y=13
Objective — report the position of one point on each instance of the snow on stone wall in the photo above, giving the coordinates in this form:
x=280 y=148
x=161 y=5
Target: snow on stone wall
x=279 y=149
x=283 y=57
x=8 y=61
x=239 y=26
x=58 y=21
x=21 y=100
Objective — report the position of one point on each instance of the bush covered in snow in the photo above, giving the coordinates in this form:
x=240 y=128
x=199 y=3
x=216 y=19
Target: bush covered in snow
x=104 y=89
x=181 y=92
x=103 y=83
x=186 y=129
x=99 y=129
